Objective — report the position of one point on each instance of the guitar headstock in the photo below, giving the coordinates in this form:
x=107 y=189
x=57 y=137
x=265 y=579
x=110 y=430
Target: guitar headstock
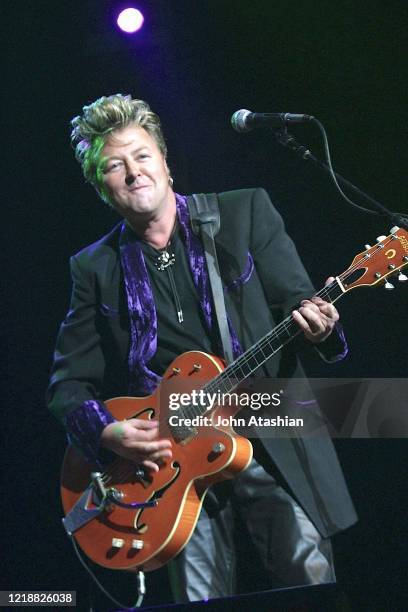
x=376 y=263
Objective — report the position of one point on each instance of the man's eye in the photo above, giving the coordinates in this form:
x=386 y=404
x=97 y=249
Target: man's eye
x=113 y=166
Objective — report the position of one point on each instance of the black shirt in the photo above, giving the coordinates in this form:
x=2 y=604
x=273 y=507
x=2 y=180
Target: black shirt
x=175 y=337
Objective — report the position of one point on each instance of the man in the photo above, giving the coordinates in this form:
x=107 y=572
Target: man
x=130 y=317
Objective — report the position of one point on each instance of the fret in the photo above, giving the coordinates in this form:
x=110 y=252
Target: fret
x=284 y=329
x=263 y=355
x=251 y=362
x=193 y=410
x=282 y=334
x=274 y=345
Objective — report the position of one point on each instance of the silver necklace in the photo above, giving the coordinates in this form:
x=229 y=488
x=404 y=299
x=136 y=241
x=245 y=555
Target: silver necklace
x=165 y=259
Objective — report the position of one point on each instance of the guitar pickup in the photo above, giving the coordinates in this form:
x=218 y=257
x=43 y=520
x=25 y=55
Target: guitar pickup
x=183 y=434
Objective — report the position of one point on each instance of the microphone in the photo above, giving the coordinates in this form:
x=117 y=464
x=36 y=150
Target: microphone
x=244 y=120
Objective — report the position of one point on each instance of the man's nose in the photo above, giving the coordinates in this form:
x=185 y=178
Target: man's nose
x=132 y=172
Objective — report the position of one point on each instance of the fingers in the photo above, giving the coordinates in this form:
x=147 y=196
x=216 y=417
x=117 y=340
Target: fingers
x=137 y=440
x=152 y=455
x=326 y=308
x=143 y=423
x=143 y=435
x=144 y=430
x=159 y=455
x=316 y=318
x=151 y=465
x=125 y=434
x=148 y=453
x=139 y=430
x=149 y=448
x=309 y=321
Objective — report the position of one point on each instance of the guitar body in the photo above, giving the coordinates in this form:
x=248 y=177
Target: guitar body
x=179 y=486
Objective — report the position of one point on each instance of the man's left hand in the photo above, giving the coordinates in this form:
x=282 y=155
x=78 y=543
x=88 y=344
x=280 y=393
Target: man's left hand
x=316 y=318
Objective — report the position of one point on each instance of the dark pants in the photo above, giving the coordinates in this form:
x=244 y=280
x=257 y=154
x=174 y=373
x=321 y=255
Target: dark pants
x=290 y=549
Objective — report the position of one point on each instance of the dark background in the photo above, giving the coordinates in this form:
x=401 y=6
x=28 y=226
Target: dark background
x=197 y=62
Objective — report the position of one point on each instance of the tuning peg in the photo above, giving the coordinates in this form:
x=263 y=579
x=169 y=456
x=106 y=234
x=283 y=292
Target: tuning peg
x=380 y=238
x=367 y=246
x=389 y=285
x=402 y=277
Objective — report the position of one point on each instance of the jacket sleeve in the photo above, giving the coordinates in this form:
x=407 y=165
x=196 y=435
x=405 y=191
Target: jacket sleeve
x=284 y=278
x=73 y=395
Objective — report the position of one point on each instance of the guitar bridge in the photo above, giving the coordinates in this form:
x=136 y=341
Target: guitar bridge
x=103 y=498
x=80 y=513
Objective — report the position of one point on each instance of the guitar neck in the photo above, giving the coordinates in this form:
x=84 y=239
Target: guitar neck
x=269 y=345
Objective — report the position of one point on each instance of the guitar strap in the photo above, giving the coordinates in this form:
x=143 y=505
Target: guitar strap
x=205 y=222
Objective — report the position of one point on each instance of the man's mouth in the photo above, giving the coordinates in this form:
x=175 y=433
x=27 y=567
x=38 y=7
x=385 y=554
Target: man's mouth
x=138 y=187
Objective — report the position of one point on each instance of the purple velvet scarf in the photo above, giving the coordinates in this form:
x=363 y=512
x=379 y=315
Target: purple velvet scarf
x=142 y=312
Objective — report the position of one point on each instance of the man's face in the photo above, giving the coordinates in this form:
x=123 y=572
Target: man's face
x=135 y=174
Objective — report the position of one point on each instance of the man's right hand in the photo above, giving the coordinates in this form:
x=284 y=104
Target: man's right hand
x=137 y=440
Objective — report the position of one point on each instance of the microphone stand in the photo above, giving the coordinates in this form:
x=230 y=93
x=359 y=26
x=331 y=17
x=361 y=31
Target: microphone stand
x=289 y=141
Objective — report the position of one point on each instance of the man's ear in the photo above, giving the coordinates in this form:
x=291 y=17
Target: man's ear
x=171 y=181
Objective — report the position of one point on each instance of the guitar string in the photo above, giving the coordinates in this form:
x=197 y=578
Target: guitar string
x=288 y=324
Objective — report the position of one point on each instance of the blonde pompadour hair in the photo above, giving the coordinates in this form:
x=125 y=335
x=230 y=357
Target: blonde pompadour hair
x=91 y=130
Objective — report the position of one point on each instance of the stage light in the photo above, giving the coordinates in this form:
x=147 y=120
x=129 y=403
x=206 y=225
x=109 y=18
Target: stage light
x=130 y=20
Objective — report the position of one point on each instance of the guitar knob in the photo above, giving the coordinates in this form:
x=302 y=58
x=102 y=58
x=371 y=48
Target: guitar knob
x=140 y=472
x=118 y=543
x=402 y=277
x=389 y=285
x=380 y=238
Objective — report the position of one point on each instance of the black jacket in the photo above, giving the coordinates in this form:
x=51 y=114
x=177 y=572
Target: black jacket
x=93 y=342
